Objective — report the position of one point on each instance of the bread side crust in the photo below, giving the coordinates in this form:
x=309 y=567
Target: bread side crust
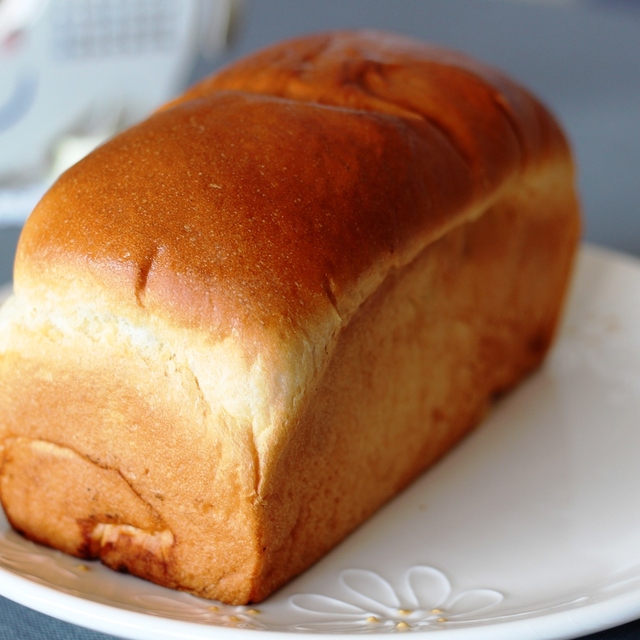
x=89 y=392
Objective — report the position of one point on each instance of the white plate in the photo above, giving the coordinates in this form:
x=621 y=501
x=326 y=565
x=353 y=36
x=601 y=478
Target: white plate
x=529 y=529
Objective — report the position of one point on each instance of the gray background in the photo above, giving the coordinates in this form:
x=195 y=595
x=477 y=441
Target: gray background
x=582 y=58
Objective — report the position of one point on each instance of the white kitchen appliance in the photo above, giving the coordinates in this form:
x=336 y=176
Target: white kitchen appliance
x=73 y=72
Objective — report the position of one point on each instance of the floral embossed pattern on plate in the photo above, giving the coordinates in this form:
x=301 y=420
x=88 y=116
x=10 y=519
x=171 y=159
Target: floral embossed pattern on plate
x=529 y=529
x=425 y=602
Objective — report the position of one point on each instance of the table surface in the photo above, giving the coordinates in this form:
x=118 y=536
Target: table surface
x=582 y=58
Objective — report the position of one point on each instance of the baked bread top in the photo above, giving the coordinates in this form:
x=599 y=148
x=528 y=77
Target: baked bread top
x=421 y=140
x=261 y=208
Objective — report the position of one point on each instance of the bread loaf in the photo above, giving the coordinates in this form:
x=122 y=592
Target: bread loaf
x=241 y=326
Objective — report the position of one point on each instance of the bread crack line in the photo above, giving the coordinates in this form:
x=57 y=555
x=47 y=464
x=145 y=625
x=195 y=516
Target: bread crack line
x=128 y=538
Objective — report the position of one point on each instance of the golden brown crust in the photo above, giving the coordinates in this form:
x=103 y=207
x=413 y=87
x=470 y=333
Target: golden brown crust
x=272 y=289
x=493 y=123
x=402 y=170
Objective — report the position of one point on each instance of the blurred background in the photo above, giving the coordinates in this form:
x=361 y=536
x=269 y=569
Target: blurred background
x=73 y=72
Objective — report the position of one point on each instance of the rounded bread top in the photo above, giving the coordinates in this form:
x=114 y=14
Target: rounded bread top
x=282 y=189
